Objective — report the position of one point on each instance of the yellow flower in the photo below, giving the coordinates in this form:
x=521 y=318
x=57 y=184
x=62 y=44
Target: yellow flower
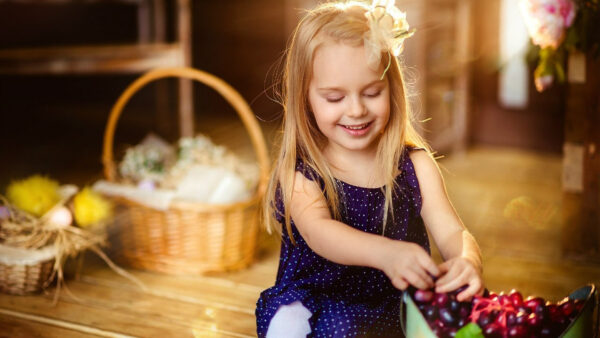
x=35 y=194
x=89 y=207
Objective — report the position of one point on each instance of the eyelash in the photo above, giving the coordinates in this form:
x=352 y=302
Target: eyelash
x=340 y=99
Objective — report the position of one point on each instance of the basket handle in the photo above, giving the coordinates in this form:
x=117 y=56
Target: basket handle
x=229 y=93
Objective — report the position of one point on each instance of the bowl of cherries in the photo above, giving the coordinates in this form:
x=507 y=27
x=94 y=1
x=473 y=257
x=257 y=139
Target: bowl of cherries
x=499 y=315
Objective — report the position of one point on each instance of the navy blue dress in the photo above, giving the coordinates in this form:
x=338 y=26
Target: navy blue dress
x=347 y=301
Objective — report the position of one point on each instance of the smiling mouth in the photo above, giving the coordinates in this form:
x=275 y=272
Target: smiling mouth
x=356 y=126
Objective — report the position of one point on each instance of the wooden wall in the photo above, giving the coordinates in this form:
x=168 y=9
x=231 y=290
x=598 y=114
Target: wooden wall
x=539 y=126
x=48 y=119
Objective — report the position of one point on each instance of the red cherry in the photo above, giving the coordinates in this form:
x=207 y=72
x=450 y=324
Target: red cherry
x=484 y=319
x=553 y=312
x=504 y=300
x=567 y=308
x=533 y=302
x=464 y=310
x=518 y=331
x=511 y=318
x=516 y=298
x=533 y=320
x=579 y=303
x=430 y=312
x=492 y=330
x=441 y=300
x=423 y=296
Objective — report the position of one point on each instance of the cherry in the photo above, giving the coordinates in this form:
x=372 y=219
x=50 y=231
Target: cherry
x=516 y=298
x=532 y=302
x=534 y=321
x=521 y=318
x=447 y=317
x=492 y=330
x=511 y=318
x=553 y=312
x=579 y=303
x=518 y=331
x=454 y=305
x=423 y=296
x=504 y=300
x=464 y=311
x=567 y=308
x=430 y=312
x=441 y=299
x=484 y=320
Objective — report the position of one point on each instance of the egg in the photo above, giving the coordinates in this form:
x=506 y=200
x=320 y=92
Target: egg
x=4 y=213
x=60 y=217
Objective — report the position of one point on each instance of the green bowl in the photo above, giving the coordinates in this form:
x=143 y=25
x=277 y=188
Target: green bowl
x=415 y=325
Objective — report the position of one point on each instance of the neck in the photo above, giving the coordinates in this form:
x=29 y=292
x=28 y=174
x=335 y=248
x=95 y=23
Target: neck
x=351 y=165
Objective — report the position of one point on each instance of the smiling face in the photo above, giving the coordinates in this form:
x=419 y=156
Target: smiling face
x=350 y=103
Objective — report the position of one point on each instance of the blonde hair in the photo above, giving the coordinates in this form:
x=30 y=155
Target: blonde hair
x=301 y=137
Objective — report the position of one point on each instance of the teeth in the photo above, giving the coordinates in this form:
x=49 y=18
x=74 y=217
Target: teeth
x=357 y=127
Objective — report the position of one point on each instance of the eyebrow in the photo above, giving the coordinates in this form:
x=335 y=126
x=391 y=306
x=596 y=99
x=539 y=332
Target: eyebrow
x=341 y=89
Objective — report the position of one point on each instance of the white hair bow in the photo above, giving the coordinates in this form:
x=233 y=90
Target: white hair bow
x=388 y=29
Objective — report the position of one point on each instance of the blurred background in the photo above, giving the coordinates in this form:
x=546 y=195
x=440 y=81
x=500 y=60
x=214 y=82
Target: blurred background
x=520 y=165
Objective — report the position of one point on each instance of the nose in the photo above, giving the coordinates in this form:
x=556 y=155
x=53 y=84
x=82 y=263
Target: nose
x=357 y=108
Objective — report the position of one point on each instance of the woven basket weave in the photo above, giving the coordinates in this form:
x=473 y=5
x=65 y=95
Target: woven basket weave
x=189 y=238
x=20 y=279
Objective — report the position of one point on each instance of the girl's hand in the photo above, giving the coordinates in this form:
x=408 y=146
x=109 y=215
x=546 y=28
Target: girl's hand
x=407 y=264
x=457 y=272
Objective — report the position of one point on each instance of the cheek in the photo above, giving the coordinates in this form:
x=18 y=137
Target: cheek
x=381 y=108
x=325 y=114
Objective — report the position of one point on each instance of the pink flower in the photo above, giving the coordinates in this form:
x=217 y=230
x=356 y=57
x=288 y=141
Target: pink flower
x=543 y=82
x=547 y=20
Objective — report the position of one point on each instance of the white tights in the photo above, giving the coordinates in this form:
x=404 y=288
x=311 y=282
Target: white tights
x=290 y=321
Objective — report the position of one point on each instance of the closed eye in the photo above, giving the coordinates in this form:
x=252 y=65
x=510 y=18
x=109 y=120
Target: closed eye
x=334 y=99
x=373 y=94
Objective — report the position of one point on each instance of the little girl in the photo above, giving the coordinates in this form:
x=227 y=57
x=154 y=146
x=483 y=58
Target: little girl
x=355 y=188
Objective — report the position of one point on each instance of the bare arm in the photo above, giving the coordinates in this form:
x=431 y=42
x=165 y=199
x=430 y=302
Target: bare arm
x=343 y=244
x=450 y=235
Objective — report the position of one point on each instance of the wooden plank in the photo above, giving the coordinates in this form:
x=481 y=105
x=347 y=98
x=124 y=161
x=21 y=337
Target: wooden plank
x=201 y=290
x=15 y=327
x=95 y=59
x=129 y=312
x=105 y=319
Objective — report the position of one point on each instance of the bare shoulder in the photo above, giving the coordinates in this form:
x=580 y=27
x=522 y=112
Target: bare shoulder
x=424 y=164
x=308 y=202
x=303 y=185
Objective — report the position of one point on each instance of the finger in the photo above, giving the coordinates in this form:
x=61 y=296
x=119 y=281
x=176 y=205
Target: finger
x=427 y=263
x=452 y=273
x=454 y=283
x=399 y=283
x=414 y=279
x=444 y=267
x=424 y=276
x=475 y=287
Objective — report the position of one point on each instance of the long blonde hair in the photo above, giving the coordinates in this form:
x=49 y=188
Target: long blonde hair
x=301 y=137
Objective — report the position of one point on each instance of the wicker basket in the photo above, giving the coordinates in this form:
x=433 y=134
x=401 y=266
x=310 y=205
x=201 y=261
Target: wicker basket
x=188 y=238
x=25 y=278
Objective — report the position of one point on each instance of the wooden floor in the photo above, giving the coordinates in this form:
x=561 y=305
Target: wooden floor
x=510 y=199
